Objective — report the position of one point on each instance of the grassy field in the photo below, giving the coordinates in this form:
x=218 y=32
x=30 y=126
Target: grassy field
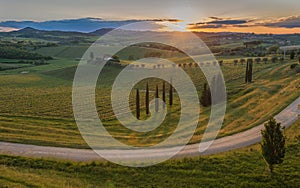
x=37 y=107
x=240 y=168
x=73 y=52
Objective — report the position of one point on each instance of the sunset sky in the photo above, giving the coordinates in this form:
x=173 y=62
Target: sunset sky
x=259 y=16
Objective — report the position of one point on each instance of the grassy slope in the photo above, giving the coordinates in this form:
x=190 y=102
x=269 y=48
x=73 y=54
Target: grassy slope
x=37 y=107
x=239 y=168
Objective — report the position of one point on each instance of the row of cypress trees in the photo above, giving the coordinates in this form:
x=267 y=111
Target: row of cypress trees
x=137 y=102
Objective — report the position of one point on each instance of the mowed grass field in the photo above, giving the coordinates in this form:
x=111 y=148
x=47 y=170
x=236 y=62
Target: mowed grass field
x=240 y=168
x=36 y=108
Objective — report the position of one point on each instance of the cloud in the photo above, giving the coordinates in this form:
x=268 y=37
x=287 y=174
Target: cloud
x=216 y=22
x=215 y=18
x=7 y=29
x=286 y=22
x=164 y=20
x=204 y=26
x=228 y=22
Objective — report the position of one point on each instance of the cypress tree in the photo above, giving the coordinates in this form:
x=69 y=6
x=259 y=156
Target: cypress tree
x=164 y=93
x=247 y=72
x=214 y=87
x=171 y=93
x=137 y=104
x=156 y=99
x=147 y=99
x=249 y=68
x=273 y=143
x=205 y=99
x=217 y=86
x=250 y=71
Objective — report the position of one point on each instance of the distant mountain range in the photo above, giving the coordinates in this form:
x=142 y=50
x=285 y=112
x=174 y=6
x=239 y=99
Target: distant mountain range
x=59 y=36
x=84 y=25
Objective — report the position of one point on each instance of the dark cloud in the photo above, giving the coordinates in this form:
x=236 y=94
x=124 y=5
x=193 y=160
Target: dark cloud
x=217 y=23
x=228 y=22
x=289 y=22
x=215 y=18
x=164 y=20
x=204 y=26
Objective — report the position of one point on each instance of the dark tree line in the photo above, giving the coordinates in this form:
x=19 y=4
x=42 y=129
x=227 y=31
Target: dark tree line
x=16 y=53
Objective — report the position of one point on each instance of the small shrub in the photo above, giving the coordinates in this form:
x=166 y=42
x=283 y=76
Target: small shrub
x=294 y=65
x=274 y=59
x=265 y=59
x=281 y=59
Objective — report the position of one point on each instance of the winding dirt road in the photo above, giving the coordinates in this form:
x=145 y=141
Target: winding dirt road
x=287 y=117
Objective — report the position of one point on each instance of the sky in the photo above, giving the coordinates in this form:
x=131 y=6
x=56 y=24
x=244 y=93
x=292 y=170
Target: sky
x=259 y=16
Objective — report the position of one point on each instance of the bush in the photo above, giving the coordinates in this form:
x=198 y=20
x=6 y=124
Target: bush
x=235 y=62
x=274 y=59
x=294 y=65
x=292 y=55
x=265 y=59
x=242 y=61
x=297 y=69
x=257 y=60
x=221 y=62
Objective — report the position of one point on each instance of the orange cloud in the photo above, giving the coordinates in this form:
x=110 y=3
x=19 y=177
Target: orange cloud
x=288 y=25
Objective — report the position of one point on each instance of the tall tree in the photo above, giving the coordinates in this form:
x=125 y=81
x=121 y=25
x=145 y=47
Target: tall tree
x=247 y=72
x=147 y=99
x=205 y=99
x=171 y=93
x=137 y=104
x=164 y=93
x=156 y=99
x=273 y=143
x=250 y=70
x=217 y=87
